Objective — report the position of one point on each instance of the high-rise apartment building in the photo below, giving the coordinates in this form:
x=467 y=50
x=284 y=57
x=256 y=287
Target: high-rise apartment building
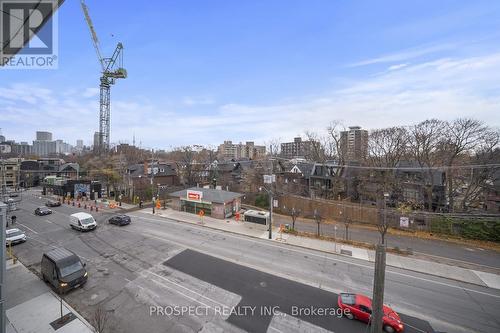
x=43 y=136
x=354 y=144
x=297 y=148
x=230 y=150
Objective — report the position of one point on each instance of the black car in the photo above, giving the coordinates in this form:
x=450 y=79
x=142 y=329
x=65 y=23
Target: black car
x=53 y=203
x=42 y=211
x=120 y=220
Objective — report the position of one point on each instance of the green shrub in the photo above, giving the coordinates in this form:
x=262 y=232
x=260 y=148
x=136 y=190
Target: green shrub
x=262 y=200
x=471 y=228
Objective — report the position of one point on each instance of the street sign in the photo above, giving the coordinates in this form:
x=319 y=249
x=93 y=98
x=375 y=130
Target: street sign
x=194 y=195
x=275 y=203
x=269 y=179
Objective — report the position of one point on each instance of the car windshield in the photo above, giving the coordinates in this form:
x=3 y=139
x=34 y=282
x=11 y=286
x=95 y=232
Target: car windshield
x=15 y=233
x=87 y=220
x=70 y=269
x=349 y=299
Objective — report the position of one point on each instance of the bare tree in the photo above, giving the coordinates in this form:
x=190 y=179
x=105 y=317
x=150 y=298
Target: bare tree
x=335 y=145
x=100 y=319
x=185 y=160
x=294 y=214
x=425 y=140
x=317 y=218
x=318 y=146
x=273 y=147
x=478 y=181
x=386 y=148
x=462 y=135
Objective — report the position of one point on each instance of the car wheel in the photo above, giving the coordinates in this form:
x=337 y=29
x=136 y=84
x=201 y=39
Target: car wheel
x=388 y=329
x=349 y=316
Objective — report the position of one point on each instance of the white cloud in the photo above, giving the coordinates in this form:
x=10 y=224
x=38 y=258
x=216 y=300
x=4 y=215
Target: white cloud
x=396 y=67
x=201 y=100
x=443 y=88
x=90 y=92
x=406 y=54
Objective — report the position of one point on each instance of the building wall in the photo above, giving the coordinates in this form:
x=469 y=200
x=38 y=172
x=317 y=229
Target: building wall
x=354 y=143
x=235 y=151
x=297 y=148
x=43 y=136
x=9 y=172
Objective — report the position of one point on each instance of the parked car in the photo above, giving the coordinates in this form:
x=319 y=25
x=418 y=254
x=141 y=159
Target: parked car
x=82 y=221
x=53 y=203
x=14 y=236
x=360 y=307
x=120 y=220
x=42 y=211
x=63 y=270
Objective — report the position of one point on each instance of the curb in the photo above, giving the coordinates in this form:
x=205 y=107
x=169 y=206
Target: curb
x=334 y=253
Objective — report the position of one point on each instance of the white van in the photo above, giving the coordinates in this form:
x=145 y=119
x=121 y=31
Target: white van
x=82 y=221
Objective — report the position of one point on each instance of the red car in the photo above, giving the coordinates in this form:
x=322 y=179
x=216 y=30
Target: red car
x=360 y=307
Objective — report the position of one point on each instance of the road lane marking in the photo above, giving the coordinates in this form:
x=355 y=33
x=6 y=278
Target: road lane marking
x=311 y=252
x=33 y=231
x=192 y=291
x=181 y=293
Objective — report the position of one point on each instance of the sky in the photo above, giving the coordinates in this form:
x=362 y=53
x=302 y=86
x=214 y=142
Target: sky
x=201 y=72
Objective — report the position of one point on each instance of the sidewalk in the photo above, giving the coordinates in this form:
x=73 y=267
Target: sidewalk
x=32 y=306
x=404 y=262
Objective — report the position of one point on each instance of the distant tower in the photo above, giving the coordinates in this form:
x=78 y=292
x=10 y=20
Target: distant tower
x=133 y=140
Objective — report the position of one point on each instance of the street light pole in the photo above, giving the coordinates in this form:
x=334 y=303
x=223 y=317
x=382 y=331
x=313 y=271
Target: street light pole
x=270 y=214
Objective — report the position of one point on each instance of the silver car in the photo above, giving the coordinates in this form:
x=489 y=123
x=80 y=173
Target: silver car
x=14 y=236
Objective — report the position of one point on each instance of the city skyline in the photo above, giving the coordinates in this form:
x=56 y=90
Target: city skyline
x=263 y=76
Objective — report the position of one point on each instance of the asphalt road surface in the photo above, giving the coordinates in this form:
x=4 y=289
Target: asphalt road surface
x=156 y=263
x=440 y=249
x=260 y=291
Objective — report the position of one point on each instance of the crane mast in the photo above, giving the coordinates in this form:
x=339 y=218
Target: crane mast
x=112 y=69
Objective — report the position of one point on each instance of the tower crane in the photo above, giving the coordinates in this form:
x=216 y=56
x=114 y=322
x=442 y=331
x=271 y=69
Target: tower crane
x=112 y=69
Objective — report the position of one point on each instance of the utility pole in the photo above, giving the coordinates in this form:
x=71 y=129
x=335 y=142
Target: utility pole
x=379 y=277
x=378 y=290
x=270 y=179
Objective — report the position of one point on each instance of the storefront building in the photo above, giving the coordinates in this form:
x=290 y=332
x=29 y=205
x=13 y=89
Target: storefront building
x=215 y=203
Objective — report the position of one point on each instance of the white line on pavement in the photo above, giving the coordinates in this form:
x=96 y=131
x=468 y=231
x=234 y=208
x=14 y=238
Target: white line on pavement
x=33 y=231
x=192 y=291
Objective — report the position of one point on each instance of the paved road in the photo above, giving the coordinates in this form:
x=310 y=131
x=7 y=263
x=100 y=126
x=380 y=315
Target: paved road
x=128 y=275
x=260 y=291
x=451 y=252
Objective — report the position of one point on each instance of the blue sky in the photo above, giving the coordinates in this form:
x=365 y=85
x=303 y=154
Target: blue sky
x=201 y=72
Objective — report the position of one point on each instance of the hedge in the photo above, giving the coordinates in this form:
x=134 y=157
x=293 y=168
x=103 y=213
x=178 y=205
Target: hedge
x=479 y=228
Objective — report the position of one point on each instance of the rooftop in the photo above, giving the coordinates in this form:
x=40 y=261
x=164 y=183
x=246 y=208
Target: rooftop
x=209 y=195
